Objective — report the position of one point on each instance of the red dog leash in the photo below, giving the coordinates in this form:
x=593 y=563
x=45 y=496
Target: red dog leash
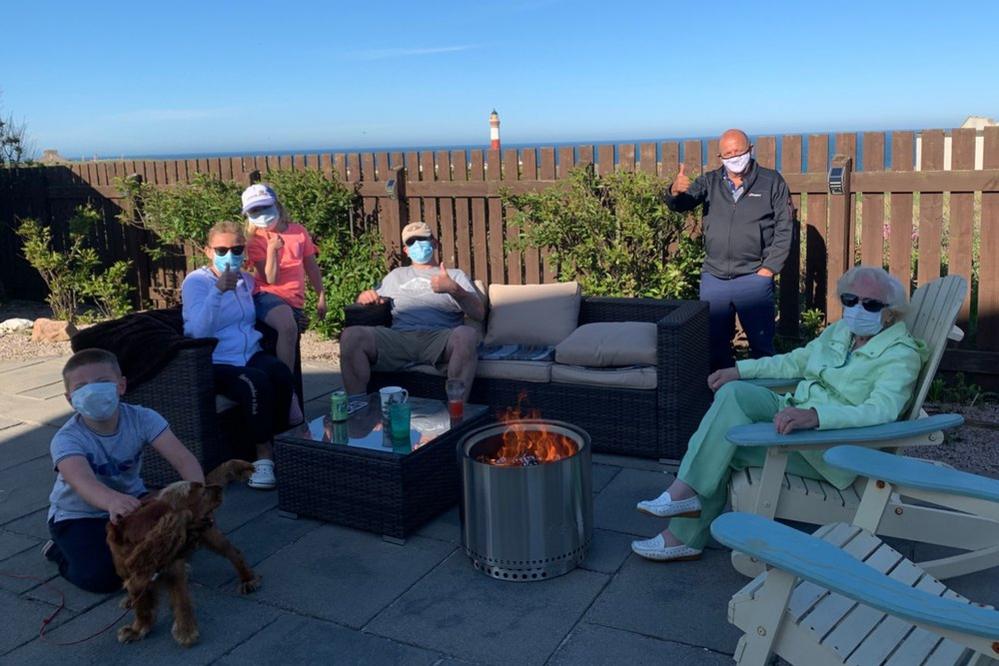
x=62 y=604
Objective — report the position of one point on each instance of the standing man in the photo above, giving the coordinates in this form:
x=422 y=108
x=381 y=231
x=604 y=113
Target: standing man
x=429 y=304
x=747 y=236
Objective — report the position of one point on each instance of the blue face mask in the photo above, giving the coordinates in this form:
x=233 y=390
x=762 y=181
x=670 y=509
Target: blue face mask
x=421 y=251
x=97 y=401
x=861 y=322
x=228 y=260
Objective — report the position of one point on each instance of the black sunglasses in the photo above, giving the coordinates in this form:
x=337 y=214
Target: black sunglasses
x=870 y=304
x=409 y=243
x=235 y=249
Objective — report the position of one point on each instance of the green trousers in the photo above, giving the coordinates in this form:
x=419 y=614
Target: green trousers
x=710 y=458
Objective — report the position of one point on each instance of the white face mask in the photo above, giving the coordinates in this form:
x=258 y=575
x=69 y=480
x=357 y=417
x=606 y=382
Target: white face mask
x=739 y=163
x=861 y=322
x=265 y=217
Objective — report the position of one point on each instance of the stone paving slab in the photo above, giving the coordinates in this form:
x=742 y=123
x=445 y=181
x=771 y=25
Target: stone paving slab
x=23 y=442
x=22 y=620
x=241 y=504
x=52 y=411
x=224 y=622
x=319 y=379
x=297 y=640
x=682 y=602
x=33 y=524
x=460 y=611
x=30 y=564
x=258 y=539
x=594 y=644
x=616 y=508
x=11 y=544
x=445 y=527
x=602 y=475
x=344 y=575
x=608 y=551
x=25 y=488
x=57 y=589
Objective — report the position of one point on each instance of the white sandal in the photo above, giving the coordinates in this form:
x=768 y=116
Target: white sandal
x=665 y=506
x=656 y=549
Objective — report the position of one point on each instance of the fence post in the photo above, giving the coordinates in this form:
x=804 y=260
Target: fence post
x=839 y=255
x=395 y=208
x=135 y=239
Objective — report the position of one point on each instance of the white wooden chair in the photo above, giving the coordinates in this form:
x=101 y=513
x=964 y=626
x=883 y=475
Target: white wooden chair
x=842 y=596
x=771 y=493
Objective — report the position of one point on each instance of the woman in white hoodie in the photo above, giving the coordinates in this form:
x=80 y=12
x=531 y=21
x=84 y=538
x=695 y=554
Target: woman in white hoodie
x=218 y=303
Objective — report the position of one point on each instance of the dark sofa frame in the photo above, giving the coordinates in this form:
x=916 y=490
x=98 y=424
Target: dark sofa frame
x=634 y=422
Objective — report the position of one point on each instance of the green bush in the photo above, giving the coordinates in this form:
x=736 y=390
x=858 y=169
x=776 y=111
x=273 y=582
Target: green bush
x=324 y=205
x=74 y=274
x=613 y=234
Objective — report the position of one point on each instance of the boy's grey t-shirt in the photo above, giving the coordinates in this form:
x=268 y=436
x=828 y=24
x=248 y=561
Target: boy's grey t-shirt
x=115 y=459
x=415 y=306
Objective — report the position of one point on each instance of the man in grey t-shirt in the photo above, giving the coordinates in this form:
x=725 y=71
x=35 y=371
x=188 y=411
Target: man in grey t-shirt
x=429 y=304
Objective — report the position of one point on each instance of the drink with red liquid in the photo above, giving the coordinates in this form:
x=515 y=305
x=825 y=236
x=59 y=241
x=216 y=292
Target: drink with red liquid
x=455 y=399
x=456 y=409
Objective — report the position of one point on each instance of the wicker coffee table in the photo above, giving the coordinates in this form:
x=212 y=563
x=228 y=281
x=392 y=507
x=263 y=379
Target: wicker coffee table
x=352 y=473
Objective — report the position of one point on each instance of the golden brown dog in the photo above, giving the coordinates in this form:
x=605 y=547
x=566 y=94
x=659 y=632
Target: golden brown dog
x=150 y=547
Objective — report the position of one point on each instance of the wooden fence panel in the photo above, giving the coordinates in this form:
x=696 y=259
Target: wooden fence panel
x=647 y=158
x=790 y=277
x=428 y=174
x=605 y=159
x=988 y=276
x=480 y=250
x=494 y=224
x=462 y=217
x=900 y=229
x=670 y=160
x=566 y=160
x=692 y=158
x=446 y=210
x=873 y=203
x=532 y=257
x=626 y=157
x=816 y=227
x=766 y=151
x=961 y=225
x=514 y=257
x=547 y=172
x=931 y=210
x=585 y=155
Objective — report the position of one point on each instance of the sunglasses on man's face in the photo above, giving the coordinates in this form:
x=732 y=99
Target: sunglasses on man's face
x=869 y=304
x=409 y=243
x=235 y=249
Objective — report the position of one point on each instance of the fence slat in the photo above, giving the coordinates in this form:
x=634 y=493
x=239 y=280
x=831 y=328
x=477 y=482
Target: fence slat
x=514 y=267
x=605 y=159
x=462 y=221
x=300 y=163
x=382 y=166
x=566 y=160
x=494 y=223
x=816 y=225
x=584 y=155
x=480 y=243
x=532 y=258
x=900 y=229
x=548 y=163
x=846 y=144
x=692 y=157
x=626 y=157
x=790 y=157
x=766 y=151
x=930 y=210
x=713 y=149
x=790 y=277
x=873 y=203
x=988 y=272
x=961 y=226
x=353 y=168
x=446 y=210
x=340 y=166
x=647 y=158
x=670 y=160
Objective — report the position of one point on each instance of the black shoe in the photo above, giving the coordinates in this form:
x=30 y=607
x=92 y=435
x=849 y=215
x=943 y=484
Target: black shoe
x=49 y=550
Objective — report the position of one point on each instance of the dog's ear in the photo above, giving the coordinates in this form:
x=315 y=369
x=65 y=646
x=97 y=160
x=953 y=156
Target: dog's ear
x=134 y=527
x=161 y=544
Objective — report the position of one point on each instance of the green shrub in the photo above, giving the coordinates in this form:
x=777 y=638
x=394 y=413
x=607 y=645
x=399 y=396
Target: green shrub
x=73 y=274
x=613 y=234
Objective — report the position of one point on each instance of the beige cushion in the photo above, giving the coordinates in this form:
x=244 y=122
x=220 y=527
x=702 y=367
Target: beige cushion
x=532 y=314
x=639 y=378
x=526 y=371
x=479 y=326
x=607 y=344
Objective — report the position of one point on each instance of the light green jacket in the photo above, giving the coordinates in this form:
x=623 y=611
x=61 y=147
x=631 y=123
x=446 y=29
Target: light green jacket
x=871 y=385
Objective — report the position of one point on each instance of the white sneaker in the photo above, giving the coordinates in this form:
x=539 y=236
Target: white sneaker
x=656 y=549
x=665 y=506
x=263 y=475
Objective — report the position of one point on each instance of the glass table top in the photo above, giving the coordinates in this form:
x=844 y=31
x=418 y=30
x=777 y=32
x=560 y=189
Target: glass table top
x=364 y=429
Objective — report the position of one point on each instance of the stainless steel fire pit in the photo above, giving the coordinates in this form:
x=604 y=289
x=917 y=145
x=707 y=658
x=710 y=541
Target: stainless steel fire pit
x=527 y=521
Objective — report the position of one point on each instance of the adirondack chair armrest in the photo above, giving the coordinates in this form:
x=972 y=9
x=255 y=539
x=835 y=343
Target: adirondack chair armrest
x=883 y=435
x=911 y=473
x=816 y=561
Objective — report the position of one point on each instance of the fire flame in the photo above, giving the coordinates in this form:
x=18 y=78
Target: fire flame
x=525 y=447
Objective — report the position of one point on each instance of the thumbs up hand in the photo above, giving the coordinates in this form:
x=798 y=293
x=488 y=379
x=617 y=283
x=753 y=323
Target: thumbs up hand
x=682 y=182
x=442 y=282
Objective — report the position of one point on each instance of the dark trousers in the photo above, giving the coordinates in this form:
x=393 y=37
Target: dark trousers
x=263 y=389
x=82 y=553
x=752 y=298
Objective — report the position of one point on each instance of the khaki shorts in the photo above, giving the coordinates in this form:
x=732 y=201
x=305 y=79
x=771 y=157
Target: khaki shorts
x=398 y=350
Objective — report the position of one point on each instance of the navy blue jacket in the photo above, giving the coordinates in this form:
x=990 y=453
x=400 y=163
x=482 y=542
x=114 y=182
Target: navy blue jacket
x=740 y=237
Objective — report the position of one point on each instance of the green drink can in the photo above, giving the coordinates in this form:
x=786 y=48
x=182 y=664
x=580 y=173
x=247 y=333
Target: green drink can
x=338 y=406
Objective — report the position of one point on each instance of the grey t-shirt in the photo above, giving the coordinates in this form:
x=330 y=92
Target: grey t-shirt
x=415 y=306
x=115 y=459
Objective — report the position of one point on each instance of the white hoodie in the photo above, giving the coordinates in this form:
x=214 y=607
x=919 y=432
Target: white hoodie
x=229 y=316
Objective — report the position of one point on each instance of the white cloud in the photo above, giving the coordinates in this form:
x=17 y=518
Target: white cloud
x=383 y=54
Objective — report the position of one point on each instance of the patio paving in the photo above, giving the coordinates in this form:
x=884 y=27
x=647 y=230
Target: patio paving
x=335 y=595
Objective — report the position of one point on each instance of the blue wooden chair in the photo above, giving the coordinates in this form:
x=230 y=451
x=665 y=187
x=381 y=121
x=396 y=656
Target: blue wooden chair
x=771 y=493
x=843 y=596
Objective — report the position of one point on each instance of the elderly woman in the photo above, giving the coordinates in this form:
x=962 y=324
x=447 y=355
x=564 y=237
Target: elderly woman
x=217 y=303
x=860 y=371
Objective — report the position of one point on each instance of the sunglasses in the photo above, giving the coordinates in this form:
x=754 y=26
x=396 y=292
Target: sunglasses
x=870 y=304
x=235 y=249
x=409 y=243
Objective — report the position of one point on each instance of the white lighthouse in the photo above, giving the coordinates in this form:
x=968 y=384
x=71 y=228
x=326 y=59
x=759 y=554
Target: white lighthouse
x=494 y=140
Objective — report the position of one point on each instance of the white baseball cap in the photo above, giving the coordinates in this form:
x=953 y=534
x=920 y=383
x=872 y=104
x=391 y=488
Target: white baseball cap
x=258 y=196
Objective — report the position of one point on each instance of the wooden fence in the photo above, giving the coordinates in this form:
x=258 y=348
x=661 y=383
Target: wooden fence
x=918 y=220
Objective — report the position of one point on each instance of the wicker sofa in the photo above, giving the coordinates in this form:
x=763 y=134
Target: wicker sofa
x=651 y=422
x=182 y=390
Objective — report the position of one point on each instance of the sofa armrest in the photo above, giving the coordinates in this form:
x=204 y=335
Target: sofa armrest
x=682 y=365
x=602 y=308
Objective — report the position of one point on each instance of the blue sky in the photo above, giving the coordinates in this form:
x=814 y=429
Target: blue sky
x=137 y=78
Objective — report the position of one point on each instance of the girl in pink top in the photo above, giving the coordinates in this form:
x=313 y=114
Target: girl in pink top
x=284 y=256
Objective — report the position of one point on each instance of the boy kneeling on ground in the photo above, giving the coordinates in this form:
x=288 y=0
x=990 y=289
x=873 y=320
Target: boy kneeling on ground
x=98 y=454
